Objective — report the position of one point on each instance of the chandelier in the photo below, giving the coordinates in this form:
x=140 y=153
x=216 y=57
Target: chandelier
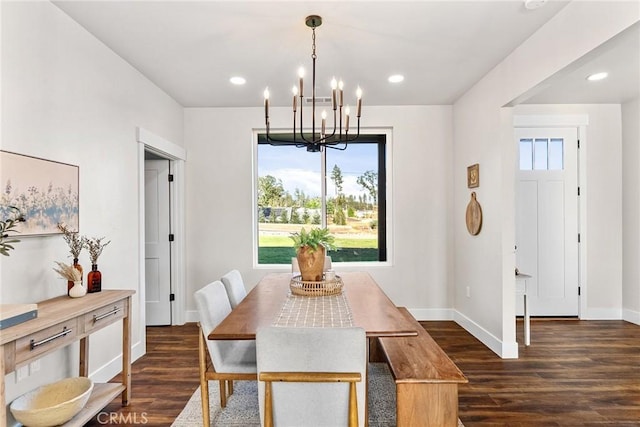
x=338 y=137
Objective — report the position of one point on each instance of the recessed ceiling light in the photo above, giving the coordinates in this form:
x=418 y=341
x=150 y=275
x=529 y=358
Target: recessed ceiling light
x=597 y=76
x=237 y=80
x=534 y=4
x=396 y=78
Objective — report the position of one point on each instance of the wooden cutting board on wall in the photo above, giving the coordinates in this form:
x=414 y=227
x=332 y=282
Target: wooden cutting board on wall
x=474 y=216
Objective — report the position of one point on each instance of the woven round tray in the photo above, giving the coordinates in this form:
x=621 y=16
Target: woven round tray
x=315 y=289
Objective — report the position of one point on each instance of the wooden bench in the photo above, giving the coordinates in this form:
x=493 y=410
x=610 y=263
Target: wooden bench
x=426 y=379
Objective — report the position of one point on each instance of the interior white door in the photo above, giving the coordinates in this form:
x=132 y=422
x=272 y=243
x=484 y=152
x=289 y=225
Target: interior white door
x=547 y=219
x=157 y=245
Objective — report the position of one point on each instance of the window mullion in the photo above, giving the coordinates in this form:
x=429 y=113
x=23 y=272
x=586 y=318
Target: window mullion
x=323 y=187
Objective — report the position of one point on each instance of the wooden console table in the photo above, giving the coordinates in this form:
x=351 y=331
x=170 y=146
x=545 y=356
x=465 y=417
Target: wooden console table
x=60 y=322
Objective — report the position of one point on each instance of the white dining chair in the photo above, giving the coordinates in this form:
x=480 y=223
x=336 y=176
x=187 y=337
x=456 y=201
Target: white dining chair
x=295 y=267
x=311 y=376
x=234 y=285
x=230 y=360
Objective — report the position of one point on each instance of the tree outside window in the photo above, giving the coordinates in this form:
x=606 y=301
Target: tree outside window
x=290 y=196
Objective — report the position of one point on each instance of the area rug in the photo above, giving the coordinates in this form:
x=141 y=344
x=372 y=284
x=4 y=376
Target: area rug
x=242 y=405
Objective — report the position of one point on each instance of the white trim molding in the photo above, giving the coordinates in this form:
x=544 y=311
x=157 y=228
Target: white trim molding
x=177 y=155
x=426 y=314
x=631 y=316
x=112 y=368
x=596 y=313
x=506 y=350
x=550 y=120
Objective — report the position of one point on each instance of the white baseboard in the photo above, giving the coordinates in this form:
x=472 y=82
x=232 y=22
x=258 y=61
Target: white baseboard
x=425 y=314
x=109 y=370
x=503 y=349
x=602 y=314
x=631 y=316
x=192 y=316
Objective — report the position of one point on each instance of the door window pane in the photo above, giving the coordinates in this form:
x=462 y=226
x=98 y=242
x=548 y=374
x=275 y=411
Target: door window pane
x=526 y=154
x=540 y=154
x=556 y=154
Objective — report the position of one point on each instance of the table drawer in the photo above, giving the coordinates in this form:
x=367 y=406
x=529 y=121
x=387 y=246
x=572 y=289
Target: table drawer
x=104 y=316
x=46 y=340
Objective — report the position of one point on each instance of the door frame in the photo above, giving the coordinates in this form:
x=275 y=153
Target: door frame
x=177 y=156
x=580 y=122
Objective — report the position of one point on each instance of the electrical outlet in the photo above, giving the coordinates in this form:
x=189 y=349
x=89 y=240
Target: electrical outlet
x=468 y=292
x=34 y=367
x=22 y=372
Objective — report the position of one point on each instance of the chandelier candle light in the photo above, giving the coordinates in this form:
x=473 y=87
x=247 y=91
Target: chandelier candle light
x=316 y=142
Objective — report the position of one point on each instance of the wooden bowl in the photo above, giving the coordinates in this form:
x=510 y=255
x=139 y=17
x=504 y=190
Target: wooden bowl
x=52 y=404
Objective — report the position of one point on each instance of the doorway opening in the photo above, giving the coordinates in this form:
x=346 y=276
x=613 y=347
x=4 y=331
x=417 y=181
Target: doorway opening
x=155 y=148
x=158 y=182
x=577 y=123
x=547 y=227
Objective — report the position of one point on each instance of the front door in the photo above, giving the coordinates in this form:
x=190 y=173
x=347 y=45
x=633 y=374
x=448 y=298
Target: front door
x=547 y=219
x=157 y=245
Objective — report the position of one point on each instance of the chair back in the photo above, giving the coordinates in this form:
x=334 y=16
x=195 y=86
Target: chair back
x=213 y=307
x=234 y=285
x=281 y=349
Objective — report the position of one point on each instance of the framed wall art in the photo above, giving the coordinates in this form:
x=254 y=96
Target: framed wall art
x=45 y=191
x=473 y=176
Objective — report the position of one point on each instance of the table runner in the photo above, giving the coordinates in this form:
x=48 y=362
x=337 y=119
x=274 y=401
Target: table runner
x=315 y=312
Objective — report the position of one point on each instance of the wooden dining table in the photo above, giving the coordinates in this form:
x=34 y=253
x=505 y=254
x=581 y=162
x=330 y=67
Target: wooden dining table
x=371 y=309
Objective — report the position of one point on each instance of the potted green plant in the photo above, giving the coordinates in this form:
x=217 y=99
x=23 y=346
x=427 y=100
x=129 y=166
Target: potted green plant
x=311 y=247
x=9 y=226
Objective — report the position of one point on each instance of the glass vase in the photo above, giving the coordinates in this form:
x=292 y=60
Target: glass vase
x=94 y=279
x=77 y=267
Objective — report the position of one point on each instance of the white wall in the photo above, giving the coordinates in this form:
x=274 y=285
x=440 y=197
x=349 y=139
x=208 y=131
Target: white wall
x=602 y=237
x=631 y=211
x=66 y=97
x=220 y=196
x=483 y=133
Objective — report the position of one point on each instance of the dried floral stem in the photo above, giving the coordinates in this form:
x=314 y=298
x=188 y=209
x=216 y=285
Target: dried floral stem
x=95 y=247
x=73 y=239
x=68 y=272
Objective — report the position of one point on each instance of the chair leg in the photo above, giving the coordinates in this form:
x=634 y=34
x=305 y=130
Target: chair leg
x=353 y=405
x=223 y=393
x=204 y=384
x=268 y=405
x=230 y=385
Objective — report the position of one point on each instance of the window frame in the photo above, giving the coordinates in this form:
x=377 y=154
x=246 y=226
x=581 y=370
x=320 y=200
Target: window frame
x=384 y=235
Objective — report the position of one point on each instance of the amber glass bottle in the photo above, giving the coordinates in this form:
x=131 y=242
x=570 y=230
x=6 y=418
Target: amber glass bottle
x=77 y=267
x=94 y=279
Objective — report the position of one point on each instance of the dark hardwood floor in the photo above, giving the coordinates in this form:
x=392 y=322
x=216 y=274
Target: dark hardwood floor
x=575 y=373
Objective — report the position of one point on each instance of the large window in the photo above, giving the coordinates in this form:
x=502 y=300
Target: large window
x=343 y=190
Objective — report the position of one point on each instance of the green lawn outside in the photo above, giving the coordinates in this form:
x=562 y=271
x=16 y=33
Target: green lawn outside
x=283 y=255
x=340 y=242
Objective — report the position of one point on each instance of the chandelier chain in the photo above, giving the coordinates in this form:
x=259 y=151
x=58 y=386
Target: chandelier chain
x=313 y=43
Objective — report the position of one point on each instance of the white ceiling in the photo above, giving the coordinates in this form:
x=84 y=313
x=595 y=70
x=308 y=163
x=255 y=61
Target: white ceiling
x=190 y=49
